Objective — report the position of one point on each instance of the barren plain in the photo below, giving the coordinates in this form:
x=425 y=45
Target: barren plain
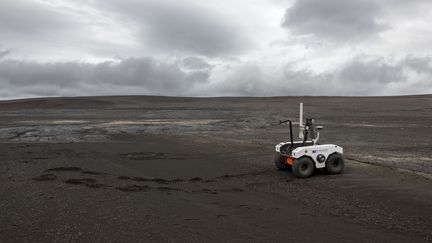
x=169 y=169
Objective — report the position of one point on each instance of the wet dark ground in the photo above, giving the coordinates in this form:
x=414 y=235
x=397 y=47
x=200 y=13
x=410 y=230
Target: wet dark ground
x=190 y=169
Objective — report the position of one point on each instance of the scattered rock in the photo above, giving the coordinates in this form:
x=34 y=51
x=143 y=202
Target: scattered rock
x=61 y=169
x=89 y=182
x=133 y=188
x=45 y=177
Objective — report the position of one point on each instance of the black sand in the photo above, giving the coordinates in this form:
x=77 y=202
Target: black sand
x=182 y=169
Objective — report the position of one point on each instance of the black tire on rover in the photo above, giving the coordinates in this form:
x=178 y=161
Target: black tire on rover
x=303 y=167
x=278 y=160
x=335 y=164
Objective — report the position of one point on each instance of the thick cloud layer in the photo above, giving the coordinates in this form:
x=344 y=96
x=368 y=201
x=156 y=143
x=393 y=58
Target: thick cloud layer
x=34 y=29
x=137 y=76
x=215 y=48
x=4 y=53
x=181 y=26
x=334 y=19
x=363 y=75
x=27 y=18
x=195 y=63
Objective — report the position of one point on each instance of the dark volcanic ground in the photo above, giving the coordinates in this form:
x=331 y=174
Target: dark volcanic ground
x=201 y=169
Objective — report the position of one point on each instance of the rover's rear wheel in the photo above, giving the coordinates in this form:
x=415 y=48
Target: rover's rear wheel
x=280 y=163
x=303 y=167
x=335 y=164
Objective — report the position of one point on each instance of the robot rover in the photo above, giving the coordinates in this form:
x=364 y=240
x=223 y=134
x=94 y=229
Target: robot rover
x=305 y=156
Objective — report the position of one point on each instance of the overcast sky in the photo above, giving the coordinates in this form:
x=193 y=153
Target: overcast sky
x=215 y=47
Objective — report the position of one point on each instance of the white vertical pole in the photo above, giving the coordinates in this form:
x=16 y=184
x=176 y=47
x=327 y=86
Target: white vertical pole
x=301 y=121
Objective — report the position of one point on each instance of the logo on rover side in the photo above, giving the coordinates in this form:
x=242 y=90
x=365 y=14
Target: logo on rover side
x=319 y=150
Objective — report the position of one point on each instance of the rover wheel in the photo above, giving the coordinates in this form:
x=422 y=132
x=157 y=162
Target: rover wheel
x=278 y=160
x=303 y=167
x=335 y=164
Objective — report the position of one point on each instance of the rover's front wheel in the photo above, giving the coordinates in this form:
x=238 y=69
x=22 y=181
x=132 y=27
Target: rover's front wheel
x=303 y=167
x=335 y=164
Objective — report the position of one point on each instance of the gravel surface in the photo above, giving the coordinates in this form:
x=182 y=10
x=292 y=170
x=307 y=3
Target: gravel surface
x=168 y=169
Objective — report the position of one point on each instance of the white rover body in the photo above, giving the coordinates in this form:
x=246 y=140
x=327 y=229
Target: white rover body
x=307 y=155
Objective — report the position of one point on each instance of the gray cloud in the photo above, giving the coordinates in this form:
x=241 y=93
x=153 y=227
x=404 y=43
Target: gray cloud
x=46 y=31
x=4 y=53
x=420 y=64
x=369 y=76
x=21 y=18
x=251 y=80
x=131 y=76
x=246 y=80
x=363 y=75
x=195 y=63
x=334 y=19
x=92 y=28
x=178 y=26
x=191 y=49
